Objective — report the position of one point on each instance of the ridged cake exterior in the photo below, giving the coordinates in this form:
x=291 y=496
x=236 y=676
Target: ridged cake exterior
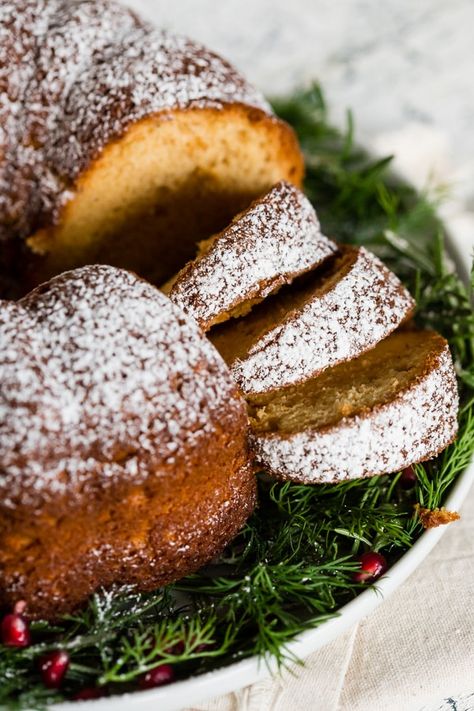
x=75 y=78
x=89 y=69
x=122 y=441
x=276 y=239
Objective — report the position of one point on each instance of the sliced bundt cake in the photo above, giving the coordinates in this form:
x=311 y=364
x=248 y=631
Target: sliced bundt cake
x=329 y=316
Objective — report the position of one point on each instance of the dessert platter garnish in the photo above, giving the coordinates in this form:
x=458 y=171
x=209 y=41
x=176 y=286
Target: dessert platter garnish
x=231 y=400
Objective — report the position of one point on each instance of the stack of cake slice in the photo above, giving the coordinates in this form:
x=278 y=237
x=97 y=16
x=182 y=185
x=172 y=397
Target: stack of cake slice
x=339 y=383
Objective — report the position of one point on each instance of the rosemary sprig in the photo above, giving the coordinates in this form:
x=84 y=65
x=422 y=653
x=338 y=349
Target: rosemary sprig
x=291 y=566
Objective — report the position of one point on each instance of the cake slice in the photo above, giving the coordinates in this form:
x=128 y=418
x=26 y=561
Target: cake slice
x=392 y=407
x=277 y=238
x=322 y=319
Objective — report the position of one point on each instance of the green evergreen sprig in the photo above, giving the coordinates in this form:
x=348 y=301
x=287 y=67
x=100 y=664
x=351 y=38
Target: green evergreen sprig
x=290 y=569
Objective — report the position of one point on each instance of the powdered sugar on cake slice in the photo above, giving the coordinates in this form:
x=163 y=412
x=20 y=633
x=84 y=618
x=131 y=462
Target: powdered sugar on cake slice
x=277 y=238
x=415 y=426
x=357 y=312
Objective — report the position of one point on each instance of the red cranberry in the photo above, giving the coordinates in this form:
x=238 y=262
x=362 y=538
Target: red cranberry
x=160 y=675
x=372 y=566
x=408 y=478
x=177 y=649
x=88 y=693
x=53 y=667
x=15 y=631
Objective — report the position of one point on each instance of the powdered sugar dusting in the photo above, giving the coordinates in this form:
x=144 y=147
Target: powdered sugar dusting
x=73 y=75
x=415 y=426
x=361 y=309
x=101 y=373
x=269 y=244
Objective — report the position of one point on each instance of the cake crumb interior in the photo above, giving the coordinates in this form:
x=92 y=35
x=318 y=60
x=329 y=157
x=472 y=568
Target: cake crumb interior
x=168 y=183
x=348 y=388
x=235 y=338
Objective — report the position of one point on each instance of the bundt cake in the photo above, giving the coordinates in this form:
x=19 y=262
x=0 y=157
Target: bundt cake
x=123 y=436
x=276 y=239
x=123 y=442
x=329 y=316
x=391 y=407
x=122 y=144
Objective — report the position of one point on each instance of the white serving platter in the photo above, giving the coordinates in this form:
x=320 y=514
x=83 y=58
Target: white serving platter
x=182 y=694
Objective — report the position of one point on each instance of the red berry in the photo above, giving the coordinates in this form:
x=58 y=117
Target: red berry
x=408 y=478
x=372 y=566
x=179 y=648
x=160 y=675
x=88 y=693
x=53 y=667
x=15 y=631
x=176 y=649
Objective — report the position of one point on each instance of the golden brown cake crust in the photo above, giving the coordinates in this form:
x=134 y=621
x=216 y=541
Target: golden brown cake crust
x=122 y=441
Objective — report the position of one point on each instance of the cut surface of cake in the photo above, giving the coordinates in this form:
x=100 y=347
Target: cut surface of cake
x=391 y=407
x=121 y=143
x=327 y=317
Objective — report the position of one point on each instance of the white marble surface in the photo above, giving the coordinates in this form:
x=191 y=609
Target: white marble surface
x=397 y=63
x=406 y=69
